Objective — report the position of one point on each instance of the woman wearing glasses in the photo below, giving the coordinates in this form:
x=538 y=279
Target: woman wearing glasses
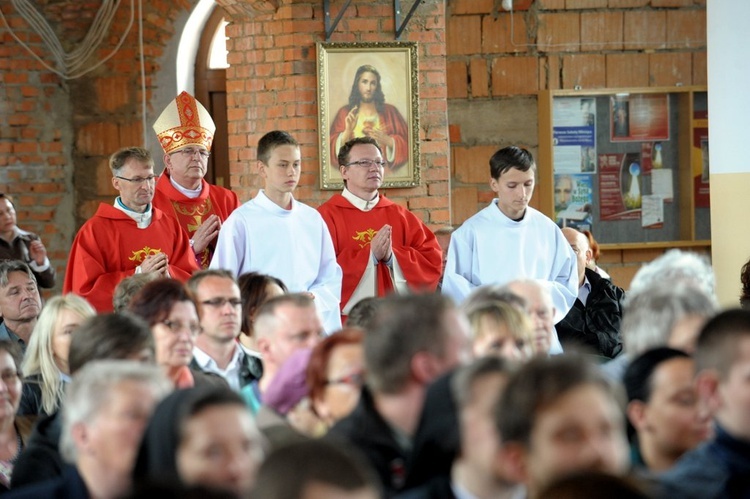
x=171 y=313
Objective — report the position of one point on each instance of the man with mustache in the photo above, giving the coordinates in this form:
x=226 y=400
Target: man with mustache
x=216 y=347
x=129 y=237
x=381 y=246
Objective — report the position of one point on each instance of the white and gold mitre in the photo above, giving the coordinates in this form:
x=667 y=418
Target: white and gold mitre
x=183 y=123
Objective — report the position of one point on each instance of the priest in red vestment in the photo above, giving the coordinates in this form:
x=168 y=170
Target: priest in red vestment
x=129 y=237
x=380 y=246
x=185 y=131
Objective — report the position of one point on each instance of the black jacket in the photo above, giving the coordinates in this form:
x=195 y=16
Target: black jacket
x=597 y=325
x=367 y=431
x=40 y=459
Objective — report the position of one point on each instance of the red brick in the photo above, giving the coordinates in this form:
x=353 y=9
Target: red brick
x=470 y=164
x=504 y=34
x=627 y=70
x=463 y=204
x=480 y=80
x=559 y=32
x=686 y=29
x=700 y=71
x=625 y=4
x=585 y=4
x=584 y=71
x=471 y=6
x=551 y=4
x=645 y=30
x=514 y=75
x=669 y=69
x=464 y=35
x=601 y=31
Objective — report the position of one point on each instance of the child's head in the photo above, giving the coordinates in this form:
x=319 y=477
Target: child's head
x=722 y=361
x=500 y=329
x=271 y=141
x=279 y=163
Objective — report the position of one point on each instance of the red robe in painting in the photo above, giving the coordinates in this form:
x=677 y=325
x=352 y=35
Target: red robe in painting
x=110 y=246
x=190 y=213
x=392 y=124
x=414 y=246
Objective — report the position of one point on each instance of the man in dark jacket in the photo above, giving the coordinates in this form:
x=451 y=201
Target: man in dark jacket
x=594 y=320
x=416 y=339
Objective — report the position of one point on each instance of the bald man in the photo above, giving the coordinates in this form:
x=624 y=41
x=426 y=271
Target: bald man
x=594 y=321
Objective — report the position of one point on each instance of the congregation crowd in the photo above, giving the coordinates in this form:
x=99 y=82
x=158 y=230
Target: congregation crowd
x=207 y=348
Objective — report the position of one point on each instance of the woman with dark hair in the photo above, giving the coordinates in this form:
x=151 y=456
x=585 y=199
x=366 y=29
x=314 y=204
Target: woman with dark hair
x=173 y=318
x=14 y=430
x=255 y=290
x=745 y=280
x=335 y=375
x=201 y=436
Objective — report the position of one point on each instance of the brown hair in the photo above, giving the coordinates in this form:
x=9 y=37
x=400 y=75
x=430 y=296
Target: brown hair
x=317 y=368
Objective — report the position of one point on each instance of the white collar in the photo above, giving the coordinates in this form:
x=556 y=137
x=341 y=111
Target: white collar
x=142 y=220
x=190 y=193
x=358 y=202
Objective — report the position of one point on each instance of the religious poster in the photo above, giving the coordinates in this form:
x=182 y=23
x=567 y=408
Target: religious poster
x=639 y=117
x=574 y=201
x=701 y=169
x=620 y=186
x=574 y=135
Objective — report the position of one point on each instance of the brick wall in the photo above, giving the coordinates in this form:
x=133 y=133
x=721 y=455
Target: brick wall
x=498 y=61
x=271 y=84
x=56 y=134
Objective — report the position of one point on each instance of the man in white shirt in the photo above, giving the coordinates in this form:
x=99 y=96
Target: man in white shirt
x=510 y=240
x=216 y=348
x=277 y=235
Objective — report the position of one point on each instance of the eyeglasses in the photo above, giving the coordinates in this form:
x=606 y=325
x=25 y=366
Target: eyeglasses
x=190 y=152
x=138 y=180
x=354 y=379
x=220 y=302
x=367 y=163
x=177 y=326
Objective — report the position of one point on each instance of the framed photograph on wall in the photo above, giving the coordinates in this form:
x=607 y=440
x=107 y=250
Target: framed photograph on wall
x=369 y=89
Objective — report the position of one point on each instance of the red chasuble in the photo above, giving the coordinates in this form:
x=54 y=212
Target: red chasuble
x=110 y=246
x=190 y=213
x=414 y=246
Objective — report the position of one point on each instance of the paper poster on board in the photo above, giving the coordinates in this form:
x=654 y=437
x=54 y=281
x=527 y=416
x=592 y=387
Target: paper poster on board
x=620 y=186
x=574 y=135
x=639 y=117
x=574 y=201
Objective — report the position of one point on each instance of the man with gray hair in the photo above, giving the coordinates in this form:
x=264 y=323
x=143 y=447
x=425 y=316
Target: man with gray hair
x=678 y=268
x=128 y=237
x=542 y=312
x=20 y=303
x=664 y=314
x=107 y=406
x=415 y=339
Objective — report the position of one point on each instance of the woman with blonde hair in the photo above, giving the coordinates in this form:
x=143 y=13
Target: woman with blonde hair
x=45 y=365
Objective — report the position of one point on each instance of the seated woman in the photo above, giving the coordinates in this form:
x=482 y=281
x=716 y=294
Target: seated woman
x=18 y=244
x=500 y=329
x=14 y=430
x=201 y=436
x=45 y=366
x=255 y=290
x=172 y=316
x=335 y=375
x=665 y=420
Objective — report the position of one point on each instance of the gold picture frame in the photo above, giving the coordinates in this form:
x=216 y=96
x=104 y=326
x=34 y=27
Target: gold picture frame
x=393 y=111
